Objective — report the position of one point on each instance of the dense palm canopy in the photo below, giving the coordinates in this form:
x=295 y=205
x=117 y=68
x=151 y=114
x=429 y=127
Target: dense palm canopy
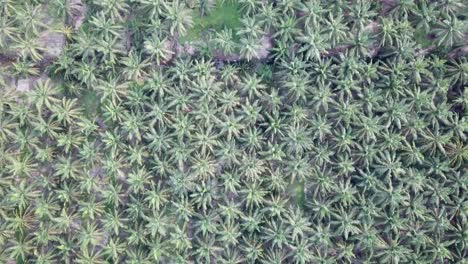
x=306 y=132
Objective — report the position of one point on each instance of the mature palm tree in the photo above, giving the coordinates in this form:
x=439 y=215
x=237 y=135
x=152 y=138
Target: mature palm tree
x=6 y=7
x=450 y=32
x=104 y=27
x=427 y=15
x=250 y=7
x=313 y=12
x=8 y=125
x=250 y=28
x=85 y=72
x=314 y=44
x=44 y=95
x=224 y=40
x=7 y=31
x=153 y=8
x=29 y=48
x=23 y=68
x=86 y=256
x=135 y=67
x=287 y=29
x=205 y=6
x=67 y=111
x=112 y=89
x=158 y=48
x=250 y=48
x=268 y=17
x=115 y=9
x=30 y=18
x=178 y=17
x=336 y=28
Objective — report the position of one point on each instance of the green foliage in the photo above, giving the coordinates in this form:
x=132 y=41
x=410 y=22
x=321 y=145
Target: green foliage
x=293 y=132
x=225 y=15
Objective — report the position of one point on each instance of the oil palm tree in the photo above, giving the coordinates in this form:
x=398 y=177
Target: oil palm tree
x=205 y=6
x=135 y=67
x=44 y=95
x=8 y=32
x=178 y=17
x=30 y=17
x=115 y=9
x=450 y=32
x=104 y=27
x=224 y=40
x=67 y=111
x=29 y=48
x=314 y=44
x=249 y=6
x=158 y=48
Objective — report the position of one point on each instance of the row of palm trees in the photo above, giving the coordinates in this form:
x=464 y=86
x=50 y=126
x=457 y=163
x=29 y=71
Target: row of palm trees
x=318 y=27
x=321 y=154
x=193 y=165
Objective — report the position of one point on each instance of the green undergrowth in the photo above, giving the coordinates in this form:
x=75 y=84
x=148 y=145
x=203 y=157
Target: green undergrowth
x=224 y=15
x=90 y=103
x=422 y=38
x=297 y=192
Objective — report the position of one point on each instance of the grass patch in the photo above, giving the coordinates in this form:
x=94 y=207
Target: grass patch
x=296 y=190
x=223 y=15
x=90 y=102
x=421 y=37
